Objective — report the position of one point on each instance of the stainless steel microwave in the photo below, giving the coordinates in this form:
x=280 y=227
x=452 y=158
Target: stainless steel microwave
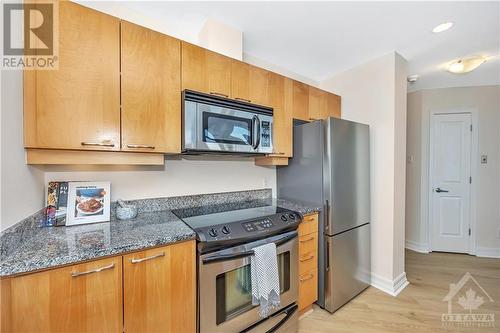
x=213 y=124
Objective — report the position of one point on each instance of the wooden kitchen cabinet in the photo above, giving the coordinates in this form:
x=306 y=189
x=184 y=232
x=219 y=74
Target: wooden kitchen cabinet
x=308 y=262
x=205 y=71
x=150 y=88
x=300 y=100
x=77 y=106
x=79 y=298
x=323 y=104
x=160 y=289
x=250 y=84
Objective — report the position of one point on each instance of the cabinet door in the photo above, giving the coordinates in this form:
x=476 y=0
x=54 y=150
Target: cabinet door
x=316 y=103
x=280 y=96
x=250 y=83
x=80 y=298
x=300 y=101
x=205 y=71
x=332 y=104
x=78 y=105
x=160 y=289
x=151 y=92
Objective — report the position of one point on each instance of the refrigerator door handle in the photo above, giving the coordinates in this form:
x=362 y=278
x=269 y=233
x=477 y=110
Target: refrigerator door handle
x=327 y=256
x=327 y=216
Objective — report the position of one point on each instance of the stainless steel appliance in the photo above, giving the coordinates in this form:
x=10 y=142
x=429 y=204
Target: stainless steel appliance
x=331 y=168
x=227 y=234
x=213 y=124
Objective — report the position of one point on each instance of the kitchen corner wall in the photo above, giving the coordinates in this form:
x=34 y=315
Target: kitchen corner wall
x=375 y=94
x=485 y=100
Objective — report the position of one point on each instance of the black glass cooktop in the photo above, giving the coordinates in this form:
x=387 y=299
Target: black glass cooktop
x=213 y=215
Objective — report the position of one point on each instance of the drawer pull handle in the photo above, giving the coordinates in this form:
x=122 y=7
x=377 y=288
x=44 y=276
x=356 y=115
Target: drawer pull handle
x=309 y=277
x=136 y=261
x=141 y=146
x=243 y=99
x=307 y=239
x=278 y=154
x=314 y=119
x=302 y=259
x=219 y=94
x=97 y=270
x=99 y=144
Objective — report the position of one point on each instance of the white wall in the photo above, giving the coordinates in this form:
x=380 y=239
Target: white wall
x=375 y=93
x=486 y=101
x=21 y=185
x=221 y=38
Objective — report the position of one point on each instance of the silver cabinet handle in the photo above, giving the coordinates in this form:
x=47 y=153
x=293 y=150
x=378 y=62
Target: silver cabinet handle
x=218 y=94
x=278 y=154
x=136 y=261
x=97 y=270
x=243 y=99
x=141 y=146
x=99 y=144
x=309 y=277
x=309 y=257
x=307 y=239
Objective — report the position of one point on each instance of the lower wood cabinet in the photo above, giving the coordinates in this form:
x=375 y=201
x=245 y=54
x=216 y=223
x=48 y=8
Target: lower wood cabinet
x=308 y=262
x=79 y=298
x=155 y=292
x=159 y=287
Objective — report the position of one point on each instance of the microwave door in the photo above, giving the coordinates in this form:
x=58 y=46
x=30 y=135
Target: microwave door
x=223 y=129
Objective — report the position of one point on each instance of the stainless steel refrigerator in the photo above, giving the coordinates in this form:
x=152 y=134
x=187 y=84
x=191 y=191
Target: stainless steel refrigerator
x=330 y=168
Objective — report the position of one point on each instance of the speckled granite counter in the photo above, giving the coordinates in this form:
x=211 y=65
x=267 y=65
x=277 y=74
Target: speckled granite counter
x=26 y=247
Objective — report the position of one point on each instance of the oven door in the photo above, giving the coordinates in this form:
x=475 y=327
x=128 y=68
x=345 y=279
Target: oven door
x=225 y=294
x=227 y=130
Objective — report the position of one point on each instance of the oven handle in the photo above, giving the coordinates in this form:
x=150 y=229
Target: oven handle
x=256 y=120
x=244 y=254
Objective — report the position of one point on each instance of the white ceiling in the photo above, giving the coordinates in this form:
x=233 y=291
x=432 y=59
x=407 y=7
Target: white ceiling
x=319 y=39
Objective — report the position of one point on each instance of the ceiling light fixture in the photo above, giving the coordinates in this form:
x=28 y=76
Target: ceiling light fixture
x=442 y=27
x=466 y=65
x=412 y=78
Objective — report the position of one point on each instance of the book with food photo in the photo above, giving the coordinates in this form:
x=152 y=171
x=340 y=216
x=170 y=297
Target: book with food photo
x=88 y=202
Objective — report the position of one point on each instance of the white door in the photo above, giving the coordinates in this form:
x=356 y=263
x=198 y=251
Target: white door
x=450 y=179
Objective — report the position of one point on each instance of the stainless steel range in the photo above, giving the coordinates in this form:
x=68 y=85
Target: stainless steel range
x=226 y=234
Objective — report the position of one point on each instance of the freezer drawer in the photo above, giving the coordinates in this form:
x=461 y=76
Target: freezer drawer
x=348 y=268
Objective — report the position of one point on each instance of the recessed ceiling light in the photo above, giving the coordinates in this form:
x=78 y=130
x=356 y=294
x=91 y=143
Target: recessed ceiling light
x=467 y=65
x=442 y=27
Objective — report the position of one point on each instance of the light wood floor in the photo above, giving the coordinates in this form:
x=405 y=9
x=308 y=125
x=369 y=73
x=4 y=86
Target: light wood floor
x=419 y=306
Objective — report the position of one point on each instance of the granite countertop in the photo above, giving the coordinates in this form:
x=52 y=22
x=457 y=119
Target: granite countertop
x=55 y=246
x=28 y=247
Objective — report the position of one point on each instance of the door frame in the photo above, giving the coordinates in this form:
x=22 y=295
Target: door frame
x=473 y=168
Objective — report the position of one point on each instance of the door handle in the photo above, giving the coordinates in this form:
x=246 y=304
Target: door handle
x=438 y=190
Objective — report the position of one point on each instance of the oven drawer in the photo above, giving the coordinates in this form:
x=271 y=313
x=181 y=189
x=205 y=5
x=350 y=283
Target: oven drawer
x=283 y=321
x=308 y=225
x=308 y=289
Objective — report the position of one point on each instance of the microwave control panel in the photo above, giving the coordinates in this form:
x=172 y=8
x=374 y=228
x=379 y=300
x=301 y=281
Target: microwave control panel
x=266 y=134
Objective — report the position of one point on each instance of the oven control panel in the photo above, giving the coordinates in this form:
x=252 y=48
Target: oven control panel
x=258 y=225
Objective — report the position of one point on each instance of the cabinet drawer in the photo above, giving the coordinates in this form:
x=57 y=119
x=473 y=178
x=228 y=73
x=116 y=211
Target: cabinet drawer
x=308 y=262
x=308 y=288
x=309 y=225
x=308 y=243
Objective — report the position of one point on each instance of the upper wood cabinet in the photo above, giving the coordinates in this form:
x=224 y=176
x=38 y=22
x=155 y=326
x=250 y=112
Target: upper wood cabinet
x=300 y=100
x=323 y=104
x=280 y=89
x=205 y=71
x=78 y=105
x=79 y=298
x=250 y=83
x=151 y=98
x=160 y=289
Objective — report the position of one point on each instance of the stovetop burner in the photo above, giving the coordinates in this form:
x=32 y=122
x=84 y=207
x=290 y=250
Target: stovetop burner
x=221 y=225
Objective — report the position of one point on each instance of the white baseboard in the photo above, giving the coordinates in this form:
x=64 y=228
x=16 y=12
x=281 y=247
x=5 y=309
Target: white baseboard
x=488 y=252
x=416 y=246
x=391 y=287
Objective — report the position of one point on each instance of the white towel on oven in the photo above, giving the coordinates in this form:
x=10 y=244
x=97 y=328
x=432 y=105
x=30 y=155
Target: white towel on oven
x=265 y=279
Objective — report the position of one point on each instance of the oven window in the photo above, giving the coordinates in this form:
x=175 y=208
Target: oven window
x=219 y=128
x=234 y=289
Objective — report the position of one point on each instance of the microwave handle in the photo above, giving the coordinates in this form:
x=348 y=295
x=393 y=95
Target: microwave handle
x=256 y=121
x=244 y=254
